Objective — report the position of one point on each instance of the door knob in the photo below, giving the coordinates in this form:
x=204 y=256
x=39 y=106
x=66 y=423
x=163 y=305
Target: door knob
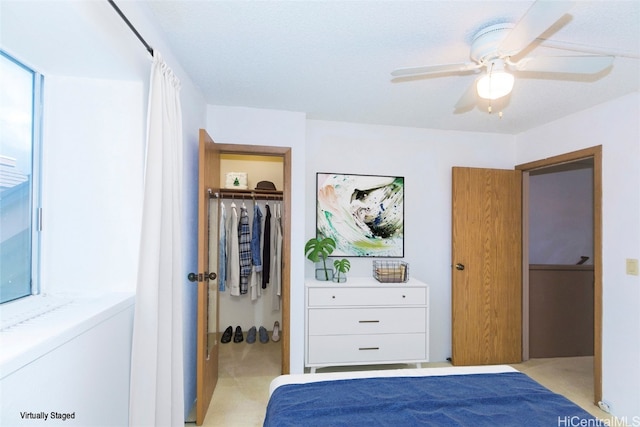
x=459 y=266
x=193 y=277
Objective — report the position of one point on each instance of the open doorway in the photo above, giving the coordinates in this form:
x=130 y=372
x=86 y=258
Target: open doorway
x=561 y=260
x=276 y=167
x=210 y=191
x=251 y=315
x=590 y=159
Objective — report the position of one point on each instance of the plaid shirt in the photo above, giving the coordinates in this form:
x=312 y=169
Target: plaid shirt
x=244 y=239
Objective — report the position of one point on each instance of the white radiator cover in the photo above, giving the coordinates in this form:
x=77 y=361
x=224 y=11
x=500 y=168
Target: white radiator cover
x=73 y=366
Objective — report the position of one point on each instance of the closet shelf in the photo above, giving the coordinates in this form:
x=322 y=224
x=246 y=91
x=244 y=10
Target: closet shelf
x=247 y=194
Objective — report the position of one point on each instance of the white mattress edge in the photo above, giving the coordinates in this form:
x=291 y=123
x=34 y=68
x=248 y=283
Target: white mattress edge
x=418 y=372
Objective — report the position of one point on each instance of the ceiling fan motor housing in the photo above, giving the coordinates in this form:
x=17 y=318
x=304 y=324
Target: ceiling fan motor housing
x=484 y=47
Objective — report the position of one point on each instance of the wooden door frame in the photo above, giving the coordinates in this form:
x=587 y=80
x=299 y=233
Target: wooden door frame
x=206 y=367
x=285 y=153
x=596 y=154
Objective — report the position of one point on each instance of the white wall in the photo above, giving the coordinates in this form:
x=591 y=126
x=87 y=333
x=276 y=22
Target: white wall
x=92 y=184
x=250 y=126
x=615 y=126
x=425 y=158
x=561 y=217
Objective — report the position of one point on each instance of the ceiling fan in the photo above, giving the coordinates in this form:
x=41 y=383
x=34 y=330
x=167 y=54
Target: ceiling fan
x=495 y=50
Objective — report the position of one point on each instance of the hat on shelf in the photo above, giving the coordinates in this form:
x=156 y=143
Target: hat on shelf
x=266 y=185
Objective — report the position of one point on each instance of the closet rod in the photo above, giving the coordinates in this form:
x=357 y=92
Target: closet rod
x=247 y=195
x=130 y=25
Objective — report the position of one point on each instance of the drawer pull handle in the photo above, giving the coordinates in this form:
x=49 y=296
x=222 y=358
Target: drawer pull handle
x=368 y=321
x=404 y=296
x=369 y=348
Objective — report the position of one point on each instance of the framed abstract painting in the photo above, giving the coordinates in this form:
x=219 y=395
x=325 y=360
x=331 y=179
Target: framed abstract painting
x=364 y=214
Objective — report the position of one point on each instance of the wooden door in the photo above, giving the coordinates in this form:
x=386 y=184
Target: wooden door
x=486 y=283
x=207 y=330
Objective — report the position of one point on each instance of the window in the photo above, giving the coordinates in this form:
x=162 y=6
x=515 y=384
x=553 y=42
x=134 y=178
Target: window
x=20 y=89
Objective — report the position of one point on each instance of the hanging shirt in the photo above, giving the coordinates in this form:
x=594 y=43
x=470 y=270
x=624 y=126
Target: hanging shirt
x=266 y=248
x=273 y=266
x=276 y=277
x=233 y=262
x=222 y=249
x=244 y=240
x=255 y=281
x=256 y=234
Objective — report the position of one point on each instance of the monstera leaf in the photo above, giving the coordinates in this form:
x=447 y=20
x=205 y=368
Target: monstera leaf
x=318 y=249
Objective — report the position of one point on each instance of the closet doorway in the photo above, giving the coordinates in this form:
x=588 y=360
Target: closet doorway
x=211 y=304
x=261 y=163
x=590 y=158
x=252 y=313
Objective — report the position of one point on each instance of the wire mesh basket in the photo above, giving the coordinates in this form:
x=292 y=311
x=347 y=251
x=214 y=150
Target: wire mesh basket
x=390 y=271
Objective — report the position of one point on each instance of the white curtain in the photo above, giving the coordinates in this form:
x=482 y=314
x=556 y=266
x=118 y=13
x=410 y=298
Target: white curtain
x=157 y=383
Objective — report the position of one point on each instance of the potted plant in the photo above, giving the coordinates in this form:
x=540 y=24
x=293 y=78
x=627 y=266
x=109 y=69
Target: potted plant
x=342 y=266
x=317 y=249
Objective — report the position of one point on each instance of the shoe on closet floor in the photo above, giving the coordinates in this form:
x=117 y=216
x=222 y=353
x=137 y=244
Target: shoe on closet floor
x=251 y=335
x=264 y=335
x=275 y=336
x=237 y=337
x=226 y=336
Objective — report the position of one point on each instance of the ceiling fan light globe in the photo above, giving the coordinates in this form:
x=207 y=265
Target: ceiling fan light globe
x=495 y=85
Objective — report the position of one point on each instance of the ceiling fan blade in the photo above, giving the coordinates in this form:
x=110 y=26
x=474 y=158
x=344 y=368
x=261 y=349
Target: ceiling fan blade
x=468 y=99
x=540 y=16
x=435 y=69
x=565 y=64
x=582 y=48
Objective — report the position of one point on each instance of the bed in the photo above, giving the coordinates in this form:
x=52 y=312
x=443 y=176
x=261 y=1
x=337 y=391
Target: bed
x=447 y=396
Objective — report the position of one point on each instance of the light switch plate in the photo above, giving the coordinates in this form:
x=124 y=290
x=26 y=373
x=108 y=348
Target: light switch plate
x=632 y=266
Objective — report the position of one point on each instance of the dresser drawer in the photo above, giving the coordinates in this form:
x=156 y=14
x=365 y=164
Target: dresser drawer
x=335 y=297
x=348 y=349
x=339 y=321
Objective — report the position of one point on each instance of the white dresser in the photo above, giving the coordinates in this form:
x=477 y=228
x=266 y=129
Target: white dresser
x=365 y=322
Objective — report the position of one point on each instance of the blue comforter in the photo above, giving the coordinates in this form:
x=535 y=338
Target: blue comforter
x=505 y=399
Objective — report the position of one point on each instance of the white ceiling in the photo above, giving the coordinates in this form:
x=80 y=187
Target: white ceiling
x=332 y=59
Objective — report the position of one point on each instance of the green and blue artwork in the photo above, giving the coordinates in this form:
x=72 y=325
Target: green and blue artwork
x=364 y=214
